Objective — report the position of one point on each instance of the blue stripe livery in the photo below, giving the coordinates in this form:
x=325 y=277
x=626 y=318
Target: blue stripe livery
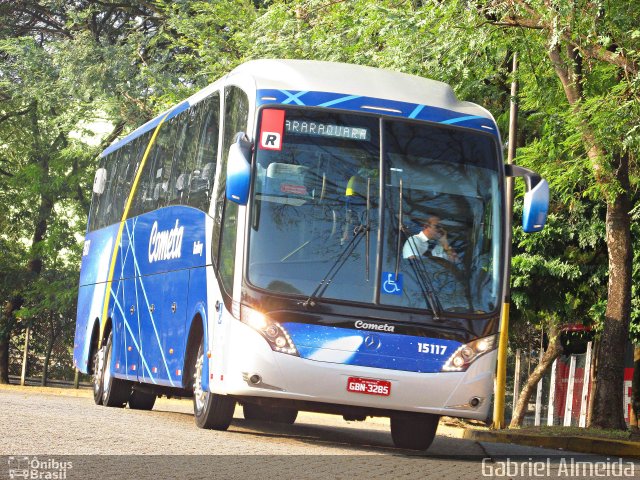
x=375 y=105
x=366 y=348
x=159 y=283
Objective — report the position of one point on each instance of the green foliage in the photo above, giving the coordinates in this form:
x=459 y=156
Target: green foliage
x=127 y=62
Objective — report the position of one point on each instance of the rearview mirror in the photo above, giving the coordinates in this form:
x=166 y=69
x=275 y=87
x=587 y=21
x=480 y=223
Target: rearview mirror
x=99 y=181
x=239 y=170
x=536 y=198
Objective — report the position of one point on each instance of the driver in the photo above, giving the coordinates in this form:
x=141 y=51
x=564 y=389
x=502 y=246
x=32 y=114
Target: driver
x=431 y=241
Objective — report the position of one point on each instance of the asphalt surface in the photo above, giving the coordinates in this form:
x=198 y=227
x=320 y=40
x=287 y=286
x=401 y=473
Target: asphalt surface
x=66 y=426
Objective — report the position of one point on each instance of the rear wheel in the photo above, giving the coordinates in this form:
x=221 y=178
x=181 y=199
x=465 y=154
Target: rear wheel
x=115 y=391
x=269 y=414
x=141 y=400
x=210 y=410
x=414 y=431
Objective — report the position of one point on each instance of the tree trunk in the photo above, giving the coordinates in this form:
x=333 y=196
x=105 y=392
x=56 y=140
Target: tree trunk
x=5 y=336
x=47 y=357
x=608 y=399
x=6 y=327
x=553 y=351
x=635 y=390
x=592 y=379
x=612 y=175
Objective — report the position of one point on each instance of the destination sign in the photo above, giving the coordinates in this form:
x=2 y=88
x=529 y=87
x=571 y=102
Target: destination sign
x=317 y=129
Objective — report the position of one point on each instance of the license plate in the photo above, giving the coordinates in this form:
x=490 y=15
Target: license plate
x=369 y=386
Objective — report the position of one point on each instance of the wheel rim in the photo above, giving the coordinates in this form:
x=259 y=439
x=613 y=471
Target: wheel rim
x=106 y=382
x=199 y=394
x=97 y=371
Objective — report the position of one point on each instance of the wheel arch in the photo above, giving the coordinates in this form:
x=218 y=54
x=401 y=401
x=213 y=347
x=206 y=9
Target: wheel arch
x=197 y=332
x=94 y=344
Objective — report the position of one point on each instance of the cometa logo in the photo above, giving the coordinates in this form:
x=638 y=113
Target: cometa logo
x=165 y=244
x=384 y=327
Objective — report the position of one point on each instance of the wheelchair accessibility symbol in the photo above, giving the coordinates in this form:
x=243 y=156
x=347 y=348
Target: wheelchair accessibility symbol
x=390 y=284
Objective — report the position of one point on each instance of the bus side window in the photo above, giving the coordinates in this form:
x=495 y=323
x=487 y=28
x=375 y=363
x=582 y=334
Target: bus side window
x=204 y=166
x=123 y=180
x=186 y=145
x=106 y=213
x=177 y=178
x=94 y=217
x=192 y=167
x=164 y=148
x=165 y=167
x=236 y=112
x=144 y=187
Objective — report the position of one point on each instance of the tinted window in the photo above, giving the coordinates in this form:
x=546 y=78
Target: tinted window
x=143 y=198
x=94 y=218
x=204 y=161
x=236 y=112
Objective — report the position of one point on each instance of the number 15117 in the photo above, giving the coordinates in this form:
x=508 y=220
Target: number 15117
x=431 y=348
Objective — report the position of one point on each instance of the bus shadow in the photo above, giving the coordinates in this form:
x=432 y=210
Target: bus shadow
x=352 y=438
x=358 y=440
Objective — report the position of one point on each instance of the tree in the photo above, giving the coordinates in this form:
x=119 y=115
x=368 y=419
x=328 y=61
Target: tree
x=581 y=67
x=590 y=49
x=558 y=276
x=64 y=64
x=43 y=168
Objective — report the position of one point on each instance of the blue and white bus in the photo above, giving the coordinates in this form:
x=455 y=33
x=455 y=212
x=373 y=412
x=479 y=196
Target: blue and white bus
x=250 y=245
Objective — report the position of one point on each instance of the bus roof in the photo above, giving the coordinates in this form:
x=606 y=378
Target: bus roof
x=358 y=80
x=318 y=76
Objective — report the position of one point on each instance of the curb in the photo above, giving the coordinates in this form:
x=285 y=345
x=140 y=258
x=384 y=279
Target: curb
x=599 y=446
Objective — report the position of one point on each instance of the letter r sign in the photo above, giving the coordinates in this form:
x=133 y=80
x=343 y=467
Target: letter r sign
x=271 y=129
x=270 y=141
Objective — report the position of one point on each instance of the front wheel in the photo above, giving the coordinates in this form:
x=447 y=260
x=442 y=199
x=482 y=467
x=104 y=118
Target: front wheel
x=414 y=431
x=141 y=400
x=210 y=410
x=269 y=414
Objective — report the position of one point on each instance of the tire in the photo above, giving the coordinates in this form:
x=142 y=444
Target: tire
x=115 y=391
x=414 y=431
x=141 y=400
x=98 y=375
x=269 y=414
x=210 y=410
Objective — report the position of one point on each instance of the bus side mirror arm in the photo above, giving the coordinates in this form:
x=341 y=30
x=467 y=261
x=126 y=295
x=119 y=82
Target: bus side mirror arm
x=239 y=170
x=536 y=198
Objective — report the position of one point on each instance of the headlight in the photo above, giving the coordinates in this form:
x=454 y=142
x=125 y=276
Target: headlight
x=275 y=334
x=466 y=354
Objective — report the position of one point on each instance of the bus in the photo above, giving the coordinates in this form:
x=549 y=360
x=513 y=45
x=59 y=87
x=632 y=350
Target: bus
x=249 y=245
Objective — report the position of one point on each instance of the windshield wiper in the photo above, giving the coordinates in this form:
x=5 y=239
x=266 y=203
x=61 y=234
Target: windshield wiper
x=368 y=230
x=417 y=266
x=400 y=230
x=336 y=266
x=426 y=286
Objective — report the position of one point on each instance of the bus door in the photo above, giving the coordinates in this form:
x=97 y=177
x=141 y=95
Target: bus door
x=163 y=299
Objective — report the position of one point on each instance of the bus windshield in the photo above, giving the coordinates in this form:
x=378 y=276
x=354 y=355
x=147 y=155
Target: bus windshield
x=318 y=225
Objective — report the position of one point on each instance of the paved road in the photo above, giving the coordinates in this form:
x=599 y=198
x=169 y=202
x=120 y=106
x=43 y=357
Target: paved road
x=54 y=426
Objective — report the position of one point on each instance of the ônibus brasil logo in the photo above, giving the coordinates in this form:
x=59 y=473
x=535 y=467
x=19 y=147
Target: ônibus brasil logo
x=165 y=244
